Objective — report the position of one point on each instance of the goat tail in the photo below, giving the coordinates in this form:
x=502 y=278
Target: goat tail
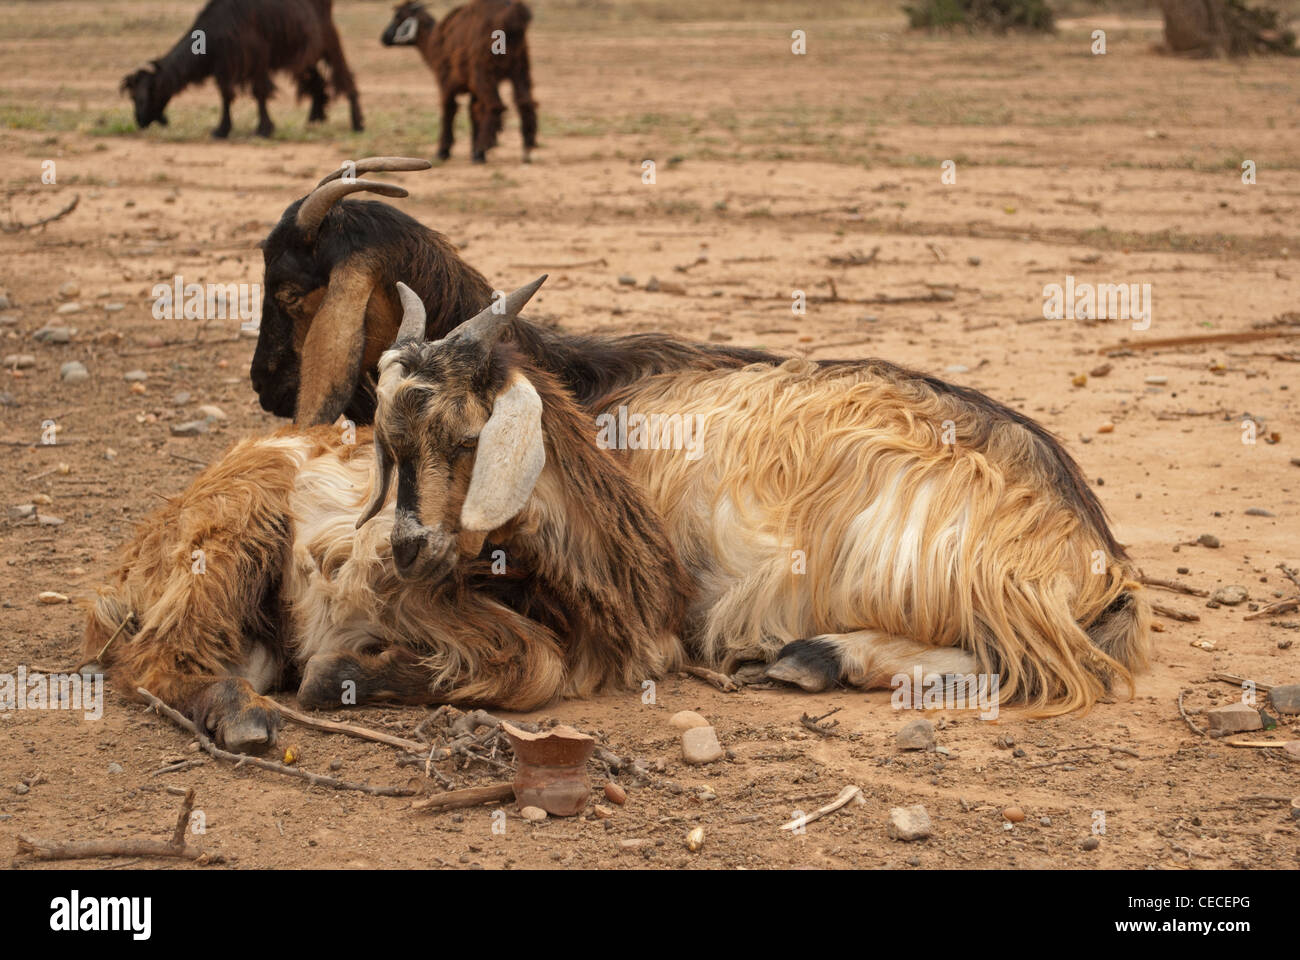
x=1059 y=647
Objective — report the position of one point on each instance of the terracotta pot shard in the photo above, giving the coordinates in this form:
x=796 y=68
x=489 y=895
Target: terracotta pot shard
x=552 y=768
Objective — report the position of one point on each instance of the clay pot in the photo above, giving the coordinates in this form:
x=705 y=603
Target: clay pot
x=552 y=769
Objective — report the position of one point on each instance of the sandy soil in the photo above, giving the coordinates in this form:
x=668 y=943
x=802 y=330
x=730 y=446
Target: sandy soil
x=1115 y=169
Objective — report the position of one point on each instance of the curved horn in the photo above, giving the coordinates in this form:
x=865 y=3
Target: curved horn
x=320 y=200
x=485 y=326
x=377 y=165
x=413 y=315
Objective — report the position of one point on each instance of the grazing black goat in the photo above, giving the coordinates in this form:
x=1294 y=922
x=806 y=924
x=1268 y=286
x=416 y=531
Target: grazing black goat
x=329 y=307
x=473 y=49
x=240 y=43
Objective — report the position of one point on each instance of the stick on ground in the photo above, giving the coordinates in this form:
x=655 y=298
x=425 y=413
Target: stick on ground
x=243 y=759
x=352 y=730
x=126 y=847
x=469 y=797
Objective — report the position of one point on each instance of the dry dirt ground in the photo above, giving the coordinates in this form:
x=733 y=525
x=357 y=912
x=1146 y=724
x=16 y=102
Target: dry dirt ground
x=1123 y=168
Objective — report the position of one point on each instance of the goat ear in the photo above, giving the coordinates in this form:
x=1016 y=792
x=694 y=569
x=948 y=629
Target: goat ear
x=510 y=456
x=331 y=354
x=383 y=480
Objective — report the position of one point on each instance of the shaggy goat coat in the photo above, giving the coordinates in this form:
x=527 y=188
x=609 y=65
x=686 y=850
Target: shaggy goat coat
x=895 y=521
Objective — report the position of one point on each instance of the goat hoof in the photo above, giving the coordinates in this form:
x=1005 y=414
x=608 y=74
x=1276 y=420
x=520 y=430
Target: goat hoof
x=479 y=158
x=220 y=133
x=808 y=664
x=266 y=131
x=252 y=730
x=444 y=154
x=323 y=677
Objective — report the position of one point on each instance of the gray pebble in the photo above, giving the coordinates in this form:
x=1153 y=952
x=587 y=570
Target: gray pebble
x=135 y=376
x=192 y=428
x=74 y=371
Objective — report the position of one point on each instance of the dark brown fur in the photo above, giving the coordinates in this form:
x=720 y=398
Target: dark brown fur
x=247 y=41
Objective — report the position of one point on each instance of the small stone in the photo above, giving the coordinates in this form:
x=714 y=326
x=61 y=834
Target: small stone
x=5 y=302
x=632 y=843
x=114 y=307
x=20 y=361
x=1208 y=540
x=1106 y=427
x=1045 y=821
x=1079 y=380
x=69 y=290
x=1286 y=698
x=700 y=745
x=8 y=319
x=1156 y=381
x=1259 y=512
x=1184 y=569
x=115 y=767
x=1101 y=371
x=956 y=368
x=973 y=261
x=1013 y=814
x=626 y=280
x=135 y=376
x=336 y=765
x=695 y=839
x=21 y=788
x=918 y=734
x=652 y=284
x=211 y=411
x=48 y=521
x=22 y=511
x=687 y=719
x=74 y=371
x=533 y=814
x=180 y=399
x=602 y=813
x=66 y=308
x=191 y=428
x=50 y=597
x=1092 y=843
x=1292 y=749
x=1231 y=595
x=49 y=334
x=615 y=794
x=7 y=400
x=1234 y=718
x=909 y=823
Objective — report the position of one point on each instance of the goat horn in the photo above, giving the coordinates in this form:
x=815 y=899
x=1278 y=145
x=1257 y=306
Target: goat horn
x=378 y=164
x=413 y=315
x=487 y=324
x=320 y=200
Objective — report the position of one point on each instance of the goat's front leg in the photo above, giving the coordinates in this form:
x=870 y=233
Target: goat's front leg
x=483 y=654
x=262 y=91
x=446 y=137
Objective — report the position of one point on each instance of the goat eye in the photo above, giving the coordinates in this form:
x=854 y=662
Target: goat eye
x=469 y=443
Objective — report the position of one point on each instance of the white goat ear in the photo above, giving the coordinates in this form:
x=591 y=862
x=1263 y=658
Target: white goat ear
x=509 y=458
x=383 y=479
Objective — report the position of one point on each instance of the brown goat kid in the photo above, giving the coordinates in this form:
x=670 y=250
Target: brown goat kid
x=473 y=50
x=240 y=43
